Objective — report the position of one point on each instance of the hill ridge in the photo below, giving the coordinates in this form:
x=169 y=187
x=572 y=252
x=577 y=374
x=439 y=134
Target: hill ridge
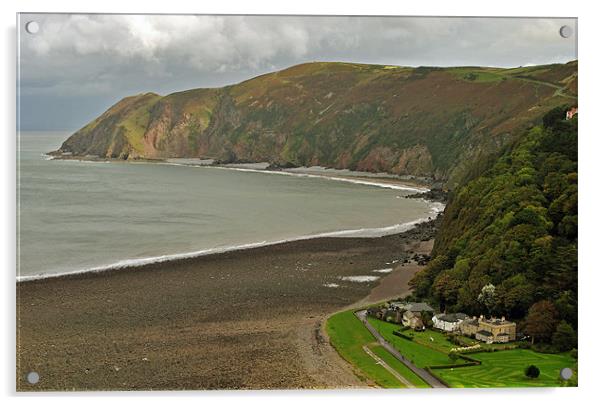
x=425 y=121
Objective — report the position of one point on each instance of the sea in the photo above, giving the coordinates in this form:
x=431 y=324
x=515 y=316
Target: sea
x=77 y=216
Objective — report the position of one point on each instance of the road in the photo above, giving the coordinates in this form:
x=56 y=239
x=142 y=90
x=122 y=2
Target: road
x=422 y=373
x=560 y=91
x=388 y=368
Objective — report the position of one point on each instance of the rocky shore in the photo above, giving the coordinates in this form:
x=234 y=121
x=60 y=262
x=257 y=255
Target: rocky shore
x=244 y=319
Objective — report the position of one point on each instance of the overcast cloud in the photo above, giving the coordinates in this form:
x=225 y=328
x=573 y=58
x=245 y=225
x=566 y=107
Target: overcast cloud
x=76 y=66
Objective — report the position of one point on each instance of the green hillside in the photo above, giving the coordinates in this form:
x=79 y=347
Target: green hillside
x=515 y=227
x=428 y=122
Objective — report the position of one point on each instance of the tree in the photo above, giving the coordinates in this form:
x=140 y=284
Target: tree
x=541 y=321
x=422 y=281
x=555 y=116
x=487 y=296
x=426 y=318
x=565 y=337
x=532 y=371
x=566 y=304
x=453 y=356
x=516 y=294
x=514 y=225
x=445 y=288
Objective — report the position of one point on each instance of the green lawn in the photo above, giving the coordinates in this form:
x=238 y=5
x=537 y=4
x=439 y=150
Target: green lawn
x=498 y=369
x=435 y=340
x=399 y=367
x=506 y=369
x=436 y=353
x=348 y=335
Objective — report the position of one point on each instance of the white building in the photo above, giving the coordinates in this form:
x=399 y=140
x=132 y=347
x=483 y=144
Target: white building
x=448 y=322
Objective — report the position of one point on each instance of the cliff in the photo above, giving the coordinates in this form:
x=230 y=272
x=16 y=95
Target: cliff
x=428 y=122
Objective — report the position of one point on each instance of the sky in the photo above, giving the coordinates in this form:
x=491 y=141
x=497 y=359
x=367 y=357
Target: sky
x=77 y=66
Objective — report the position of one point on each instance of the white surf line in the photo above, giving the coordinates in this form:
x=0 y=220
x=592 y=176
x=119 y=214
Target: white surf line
x=391 y=186
x=359 y=279
x=436 y=208
x=331 y=285
x=387 y=270
x=132 y=263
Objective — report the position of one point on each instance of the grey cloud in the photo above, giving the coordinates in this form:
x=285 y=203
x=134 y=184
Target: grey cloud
x=90 y=61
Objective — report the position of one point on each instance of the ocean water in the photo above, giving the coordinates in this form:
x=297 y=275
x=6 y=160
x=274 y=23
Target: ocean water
x=86 y=216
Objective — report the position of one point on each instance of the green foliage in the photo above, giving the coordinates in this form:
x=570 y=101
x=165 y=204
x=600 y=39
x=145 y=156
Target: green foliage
x=565 y=337
x=541 y=321
x=566 y=305
x=513 y=227
x=554 y=116
x=532 y=371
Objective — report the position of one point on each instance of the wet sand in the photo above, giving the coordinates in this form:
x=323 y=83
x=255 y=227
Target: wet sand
x=247 y=319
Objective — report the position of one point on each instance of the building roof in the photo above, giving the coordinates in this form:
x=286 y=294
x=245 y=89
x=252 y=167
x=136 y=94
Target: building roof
x=496 y=321
x=451 y=317
x=474 y=322
x=484 y=333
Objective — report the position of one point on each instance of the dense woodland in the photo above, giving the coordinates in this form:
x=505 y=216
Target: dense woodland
x=508 y=242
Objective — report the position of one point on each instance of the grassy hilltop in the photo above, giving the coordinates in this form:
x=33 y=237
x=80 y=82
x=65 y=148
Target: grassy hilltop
x=423 y=121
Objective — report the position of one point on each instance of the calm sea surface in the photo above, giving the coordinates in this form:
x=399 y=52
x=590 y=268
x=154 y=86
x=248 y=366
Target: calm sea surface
x=76 y=216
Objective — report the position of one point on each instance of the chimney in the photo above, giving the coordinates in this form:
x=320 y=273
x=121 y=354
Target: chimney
x=481 y=318
x=503 y=318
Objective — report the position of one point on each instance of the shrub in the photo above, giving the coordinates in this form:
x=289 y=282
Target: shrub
x=545 y=348
x=532 y=371
x=524 y=344
x=403 y=335
x=453 y=356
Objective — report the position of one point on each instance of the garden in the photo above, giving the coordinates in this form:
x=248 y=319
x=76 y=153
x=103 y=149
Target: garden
x=498 y=365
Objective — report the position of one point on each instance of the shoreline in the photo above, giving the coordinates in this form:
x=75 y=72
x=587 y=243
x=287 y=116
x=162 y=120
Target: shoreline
x=385 y=180
x=241 y=319
x=131 y=264
x=436 y=208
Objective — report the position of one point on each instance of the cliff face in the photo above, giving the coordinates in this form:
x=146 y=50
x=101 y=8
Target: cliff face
x=420 y=121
